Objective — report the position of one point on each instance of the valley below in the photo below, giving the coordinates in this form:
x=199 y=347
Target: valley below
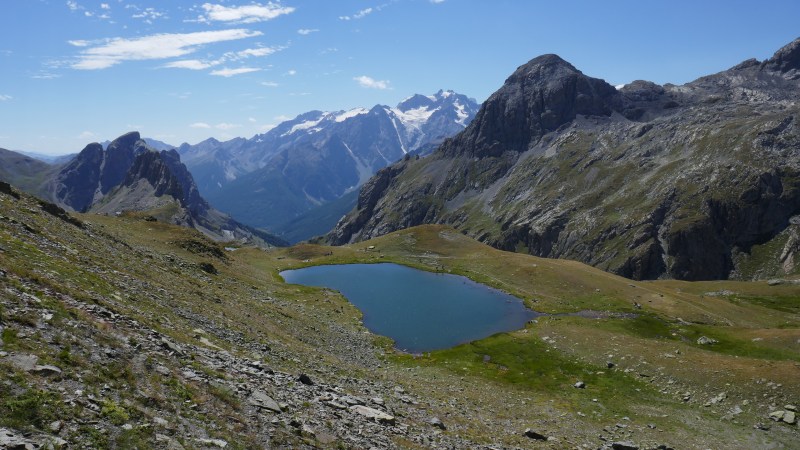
x=125 y=332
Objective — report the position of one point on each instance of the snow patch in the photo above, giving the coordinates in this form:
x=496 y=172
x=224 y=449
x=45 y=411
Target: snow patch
x=461 y=114
x=352 y=113
x=415 y=117
x=309 y=124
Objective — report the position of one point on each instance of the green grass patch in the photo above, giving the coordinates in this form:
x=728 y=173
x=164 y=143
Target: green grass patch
x=644 y=326
x=788 y=304
x=527 y=363
x=34 y=408
x=730 y=344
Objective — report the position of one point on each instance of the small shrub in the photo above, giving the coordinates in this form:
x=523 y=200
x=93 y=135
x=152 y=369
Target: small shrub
x=115 y=413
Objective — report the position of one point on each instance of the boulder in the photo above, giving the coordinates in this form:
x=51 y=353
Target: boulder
x=373 y=414
x=436 y=422
x=703 y=340
x=529 y=432
x=261 y=400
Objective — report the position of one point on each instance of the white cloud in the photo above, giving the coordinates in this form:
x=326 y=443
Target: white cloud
x=199 y=125
x=78 y=43
x=72 y=5
x=269 y=84
x=307 y=31
x=291 y=73
x=251 y=119
x=156 y=46
x=231 y=72
x=436 y=2
x=5 y=98
x=45 y=76
x=244 y=14
x=105 y=6
x=361 y=14
x=149 y=15
x=191 y=64
x=196 y=64
x=226 y=126
x=86 y=135
x=261 y=51
x=371 y=83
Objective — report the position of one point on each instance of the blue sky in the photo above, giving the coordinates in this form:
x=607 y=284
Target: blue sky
x=77 y=71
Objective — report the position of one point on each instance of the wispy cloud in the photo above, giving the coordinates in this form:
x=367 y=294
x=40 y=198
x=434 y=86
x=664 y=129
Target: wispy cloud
x=228 y=57
x=359 y=15
x=73 y=5
x=269 y=84
x=231 y=72
x=87 y=135
x=436 y=2
x=45 y=76
x=199 y=125
x=156 y=46
x=306 y=31
x=291 y=72
x=5 y=98
x=191 y=64
x=371 y=83
x=150 y=14
x=105 y=6
x=78 y=43
x=243 y=14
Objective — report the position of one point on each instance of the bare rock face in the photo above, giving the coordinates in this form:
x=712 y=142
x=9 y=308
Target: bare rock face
x=131 y=176
x=645 y=181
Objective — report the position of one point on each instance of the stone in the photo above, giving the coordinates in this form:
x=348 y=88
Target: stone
x=790 y=408
x=262 y=400
x=529 y=432
x=23 y=362
x=215 y=442
x=171 y=346
x=790 y=417
x=373 y=414
x=777 y=415
x=160 y=422
x=305 y=379
x=437 y=422
x=703 y=340
x=55 y=426
x=624 y=445
x=580 y=385
x=774 y=282
x=46 y=370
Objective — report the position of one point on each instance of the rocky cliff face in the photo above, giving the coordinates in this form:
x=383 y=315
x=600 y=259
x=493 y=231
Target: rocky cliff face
x=129 y=176
x=698 y=181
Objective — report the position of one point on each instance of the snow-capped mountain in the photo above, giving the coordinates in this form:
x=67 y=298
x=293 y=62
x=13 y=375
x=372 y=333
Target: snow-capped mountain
x=319 y=156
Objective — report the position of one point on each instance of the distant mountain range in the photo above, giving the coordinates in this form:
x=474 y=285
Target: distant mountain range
x=699 y=181
x=127 y=176
x=274 y=179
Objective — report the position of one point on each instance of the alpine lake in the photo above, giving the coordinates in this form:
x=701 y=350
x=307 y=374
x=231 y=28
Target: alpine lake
x=421 y=311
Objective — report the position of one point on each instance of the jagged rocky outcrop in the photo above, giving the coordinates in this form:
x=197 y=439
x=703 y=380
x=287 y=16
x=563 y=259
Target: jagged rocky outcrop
x=130 y=176
x=698 y=181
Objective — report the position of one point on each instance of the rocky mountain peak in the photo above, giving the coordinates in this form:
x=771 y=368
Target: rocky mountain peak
x=537 y=98
x=415 y=101
x=786 y=60
x=127 y=140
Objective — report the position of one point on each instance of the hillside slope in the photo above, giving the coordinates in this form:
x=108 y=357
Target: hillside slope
x=700 y=181
x=120 y=332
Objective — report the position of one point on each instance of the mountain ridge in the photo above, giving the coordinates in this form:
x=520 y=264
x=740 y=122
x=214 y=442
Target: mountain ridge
x=559 y=164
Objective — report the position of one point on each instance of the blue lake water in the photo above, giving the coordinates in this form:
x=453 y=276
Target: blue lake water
x=421 y=311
